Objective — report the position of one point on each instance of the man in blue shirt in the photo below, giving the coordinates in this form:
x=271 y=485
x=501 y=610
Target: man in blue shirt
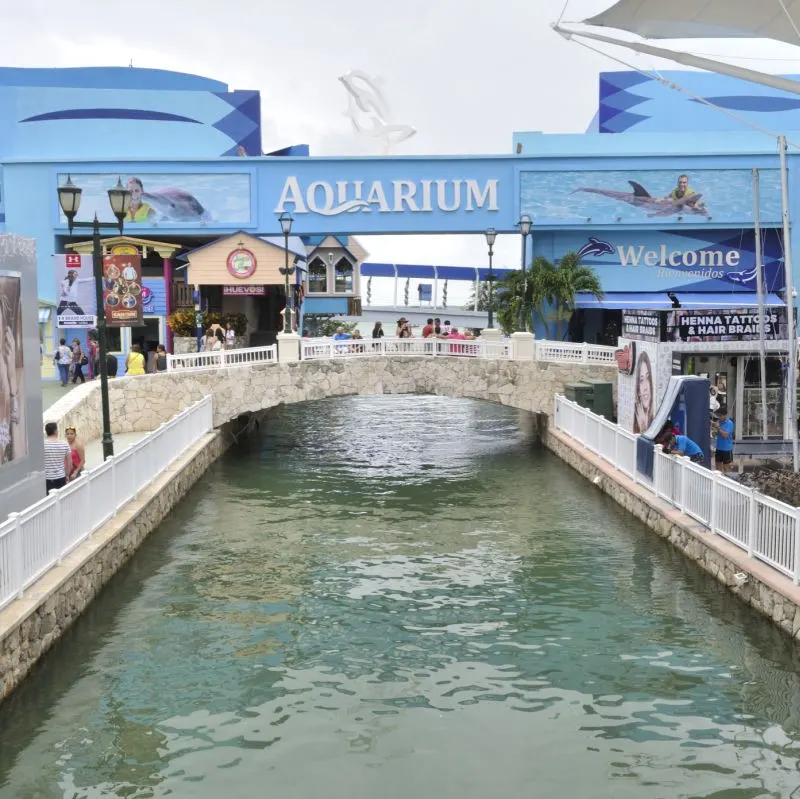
x=723 y=427
x=683 y=445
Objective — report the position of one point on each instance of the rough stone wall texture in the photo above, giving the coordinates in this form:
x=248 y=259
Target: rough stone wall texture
x=766 y=590
x=31 y=625
x=144 y=402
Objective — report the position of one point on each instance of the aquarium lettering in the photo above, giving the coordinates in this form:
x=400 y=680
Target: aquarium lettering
x=631 y=255
x=394 y=196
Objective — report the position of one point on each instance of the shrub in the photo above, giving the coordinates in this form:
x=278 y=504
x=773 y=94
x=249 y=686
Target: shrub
x=182 y=323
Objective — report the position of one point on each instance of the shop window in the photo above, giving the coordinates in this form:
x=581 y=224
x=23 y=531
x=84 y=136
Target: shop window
x=317 y=276
x=343 y=277
x=114 y=339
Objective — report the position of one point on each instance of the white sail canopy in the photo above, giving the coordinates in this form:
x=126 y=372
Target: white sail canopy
x=704 y=19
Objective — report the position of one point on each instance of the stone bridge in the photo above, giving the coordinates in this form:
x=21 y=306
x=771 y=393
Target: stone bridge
x=142 y=403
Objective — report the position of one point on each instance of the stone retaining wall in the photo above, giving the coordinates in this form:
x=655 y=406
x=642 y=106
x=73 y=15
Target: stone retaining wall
x=31 y=625
x=142 y=403
x=767 y=590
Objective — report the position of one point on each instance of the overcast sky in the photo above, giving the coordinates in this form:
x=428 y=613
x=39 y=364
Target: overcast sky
x=465 y=73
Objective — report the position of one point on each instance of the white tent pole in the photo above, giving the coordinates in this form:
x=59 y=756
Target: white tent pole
x=762 y=350
x=689 y=60
x=791 y=379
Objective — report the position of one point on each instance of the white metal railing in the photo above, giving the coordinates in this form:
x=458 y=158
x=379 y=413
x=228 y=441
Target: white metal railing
x=37 y=538
x=324 y=348
x=568 y=352
x=217 y=359
x=327 y=348
x=766 y=528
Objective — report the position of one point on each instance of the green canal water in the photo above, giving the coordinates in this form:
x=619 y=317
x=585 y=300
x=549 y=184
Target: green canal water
x=404 y=598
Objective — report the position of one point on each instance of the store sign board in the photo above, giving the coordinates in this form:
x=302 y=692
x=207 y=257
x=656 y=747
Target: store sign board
x=244 y=291
x=641 y=325
x=241 y=263
x=731 y=324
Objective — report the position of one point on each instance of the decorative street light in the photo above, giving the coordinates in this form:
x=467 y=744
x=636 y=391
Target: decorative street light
x=524 y=229
x=286 y=220
x=69 y=198
x=491 y=235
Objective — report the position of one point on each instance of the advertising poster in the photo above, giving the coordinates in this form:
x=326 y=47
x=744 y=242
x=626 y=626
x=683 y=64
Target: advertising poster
x=77 y=302
x=156 y=199
x=13 y=435
x=649 y=197
x=730 y=324
x=641 y=325
x=122 y=290
x=638 y=387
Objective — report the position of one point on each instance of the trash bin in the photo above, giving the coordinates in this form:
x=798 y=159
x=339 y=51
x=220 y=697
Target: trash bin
x=602 y=398
x=582 y=393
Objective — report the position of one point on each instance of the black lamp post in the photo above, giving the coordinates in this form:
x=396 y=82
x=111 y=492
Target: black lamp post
x=286 y=220
x=491 y=235
x=69 y=198
x=524 y=229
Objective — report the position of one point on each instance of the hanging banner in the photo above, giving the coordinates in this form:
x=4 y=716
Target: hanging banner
x=122 y=290
x=77 y=303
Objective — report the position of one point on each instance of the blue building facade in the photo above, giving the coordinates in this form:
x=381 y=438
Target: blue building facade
x=609 y=195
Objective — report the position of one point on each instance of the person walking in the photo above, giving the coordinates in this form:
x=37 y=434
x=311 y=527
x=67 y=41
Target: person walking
x=57 y=458
x=63 y=359
x=92 y=353
x=77 y=453
x=161 y=358
x=78 y=361
x=230 y=336
x=134 y=363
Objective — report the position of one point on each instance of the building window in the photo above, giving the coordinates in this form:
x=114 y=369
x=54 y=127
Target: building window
x=317 y=277
x=343 y=280
x=113 y=339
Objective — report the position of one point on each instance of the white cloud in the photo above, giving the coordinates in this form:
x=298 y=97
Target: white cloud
x=465 y=73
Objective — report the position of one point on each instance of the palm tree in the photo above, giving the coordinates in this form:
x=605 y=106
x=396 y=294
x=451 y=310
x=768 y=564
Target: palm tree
x=482 y=303
x=572 y=278
x=543 y=286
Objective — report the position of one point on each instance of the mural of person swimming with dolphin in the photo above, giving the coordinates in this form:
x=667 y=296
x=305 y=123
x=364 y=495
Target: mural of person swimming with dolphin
x=169 y=204
x=194 y=199
x=681 y=200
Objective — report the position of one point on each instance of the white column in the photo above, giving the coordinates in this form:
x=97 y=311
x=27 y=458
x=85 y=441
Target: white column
x=288 y=347
x=522 y=346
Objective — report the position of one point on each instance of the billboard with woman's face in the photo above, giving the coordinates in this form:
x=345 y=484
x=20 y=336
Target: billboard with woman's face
x=13 y=435
x=644 y=397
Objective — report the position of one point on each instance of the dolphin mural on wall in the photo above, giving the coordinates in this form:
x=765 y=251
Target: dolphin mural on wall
x=176 y=205
x=657 y=206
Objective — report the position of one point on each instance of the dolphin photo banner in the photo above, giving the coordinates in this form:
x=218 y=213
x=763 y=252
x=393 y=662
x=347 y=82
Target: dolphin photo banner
x=649 y=197
x=164 y=199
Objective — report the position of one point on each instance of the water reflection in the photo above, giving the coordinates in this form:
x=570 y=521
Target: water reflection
x=403 y=597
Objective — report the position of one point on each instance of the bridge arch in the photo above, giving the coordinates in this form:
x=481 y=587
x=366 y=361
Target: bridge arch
x=142 y=403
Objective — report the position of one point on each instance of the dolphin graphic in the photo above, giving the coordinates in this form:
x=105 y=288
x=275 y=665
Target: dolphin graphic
x=176 y=205
x=747 y=276
x=595 y=246
x=641 y=198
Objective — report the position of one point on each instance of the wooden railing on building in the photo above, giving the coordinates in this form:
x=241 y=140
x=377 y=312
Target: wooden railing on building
x=354 y=306
x=182 y=295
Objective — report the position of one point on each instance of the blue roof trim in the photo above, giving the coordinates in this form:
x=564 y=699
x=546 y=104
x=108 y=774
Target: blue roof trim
x=371 y=269
x=111 y=113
